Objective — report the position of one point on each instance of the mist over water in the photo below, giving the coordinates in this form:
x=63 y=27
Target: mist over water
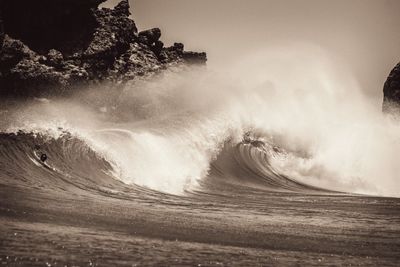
x=165 y=133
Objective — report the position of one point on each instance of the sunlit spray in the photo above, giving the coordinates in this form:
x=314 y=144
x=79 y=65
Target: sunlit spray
x=164 y=132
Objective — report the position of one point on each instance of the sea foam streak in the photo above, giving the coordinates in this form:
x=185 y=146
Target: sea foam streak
x=166 y=132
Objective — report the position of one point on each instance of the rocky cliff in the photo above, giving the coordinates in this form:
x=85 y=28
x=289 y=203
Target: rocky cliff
x=391 y=91
x=49 y=47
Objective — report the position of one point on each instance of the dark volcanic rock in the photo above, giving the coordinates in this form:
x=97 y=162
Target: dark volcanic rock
x=194 y=57
x=55 y=58
x=50 y=46
x=149 y=37
x=23 y=72
x=113 y=36
x=12 y=52
x=157 y=47
x=391 y=91
x=122 y=9
x=114 y=33
x=177 y=50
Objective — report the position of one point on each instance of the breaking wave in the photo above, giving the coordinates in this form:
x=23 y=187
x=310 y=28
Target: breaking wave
x=279 y=121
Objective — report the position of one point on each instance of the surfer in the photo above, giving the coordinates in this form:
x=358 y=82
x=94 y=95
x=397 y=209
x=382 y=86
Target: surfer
x=43 y=157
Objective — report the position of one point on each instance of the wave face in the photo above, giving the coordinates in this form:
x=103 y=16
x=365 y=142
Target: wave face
x=73 y=166
x=249 y=163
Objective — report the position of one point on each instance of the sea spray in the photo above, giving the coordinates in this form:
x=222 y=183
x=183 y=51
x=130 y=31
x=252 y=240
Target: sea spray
x=164 y=133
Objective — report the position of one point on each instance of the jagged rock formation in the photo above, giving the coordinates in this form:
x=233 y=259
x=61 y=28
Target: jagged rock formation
x=49 y=47
x=391 y=91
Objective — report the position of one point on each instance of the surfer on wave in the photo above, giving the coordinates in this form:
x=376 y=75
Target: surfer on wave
x=43 y=156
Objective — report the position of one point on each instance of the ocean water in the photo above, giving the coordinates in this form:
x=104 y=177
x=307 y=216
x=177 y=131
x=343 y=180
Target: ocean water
x=279 y=160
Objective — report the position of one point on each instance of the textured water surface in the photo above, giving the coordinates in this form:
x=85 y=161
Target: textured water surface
x=74 y=212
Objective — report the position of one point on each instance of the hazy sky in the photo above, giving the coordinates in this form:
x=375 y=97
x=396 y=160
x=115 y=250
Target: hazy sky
x=363 y=34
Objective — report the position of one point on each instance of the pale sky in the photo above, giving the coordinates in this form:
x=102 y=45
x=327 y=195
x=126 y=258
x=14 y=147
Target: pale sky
x=363 y=34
